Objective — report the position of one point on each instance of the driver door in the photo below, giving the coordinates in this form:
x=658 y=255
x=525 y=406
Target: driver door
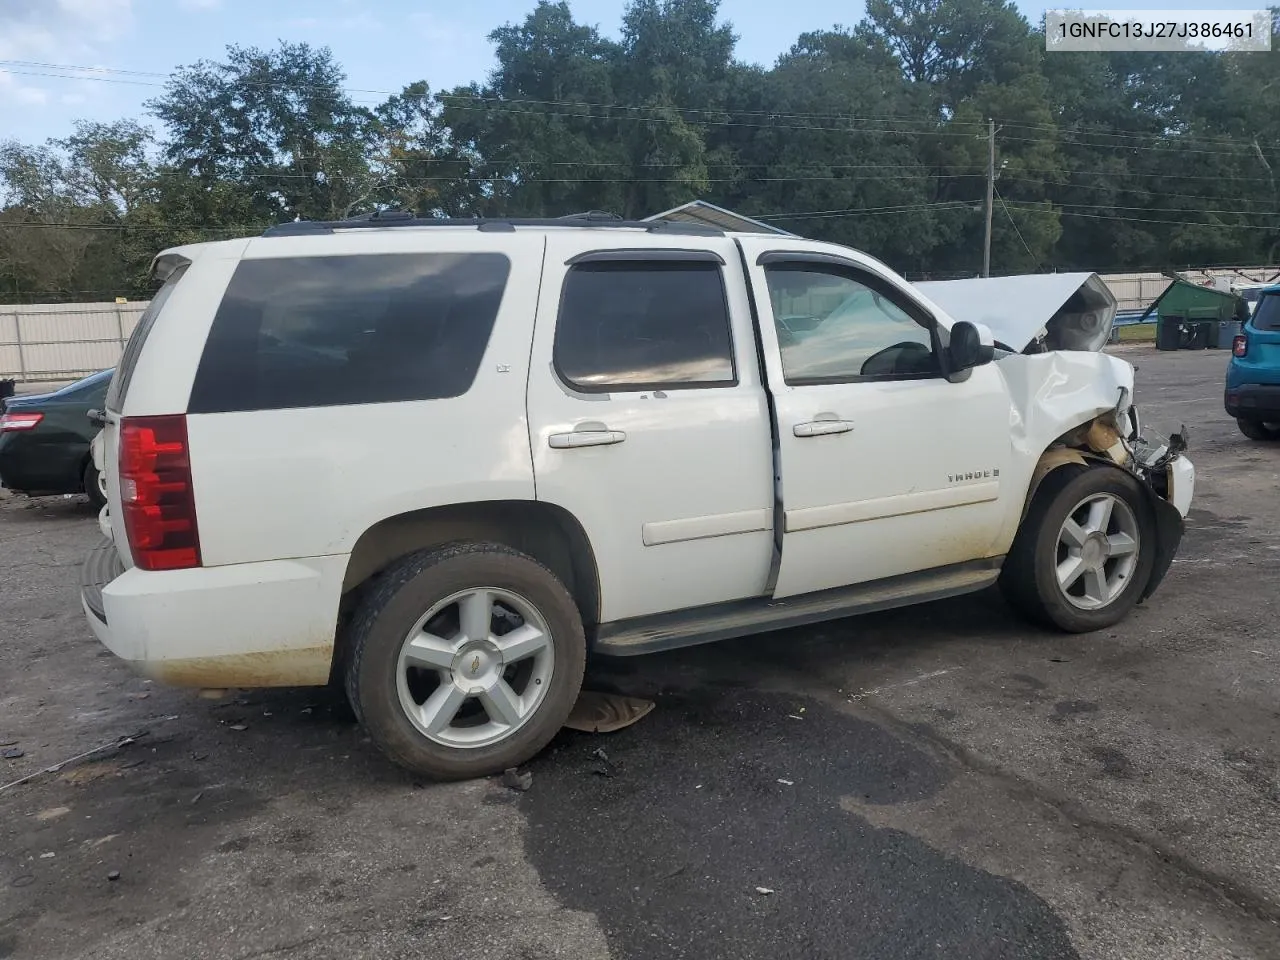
x=887 y=467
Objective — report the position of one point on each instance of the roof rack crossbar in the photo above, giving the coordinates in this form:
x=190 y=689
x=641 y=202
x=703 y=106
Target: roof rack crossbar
x=593 y=220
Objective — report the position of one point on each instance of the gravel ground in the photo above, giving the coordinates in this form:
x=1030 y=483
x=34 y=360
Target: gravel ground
x=941 y=781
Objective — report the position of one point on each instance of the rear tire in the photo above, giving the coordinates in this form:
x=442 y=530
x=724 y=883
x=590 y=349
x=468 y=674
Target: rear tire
x=1084 y=552
x=1258 y=430
x=465 y=660
x=92 y=487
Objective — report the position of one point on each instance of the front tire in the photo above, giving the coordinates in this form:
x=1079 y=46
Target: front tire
x=465 y=660
x=1084 y=552
x=1258 y=430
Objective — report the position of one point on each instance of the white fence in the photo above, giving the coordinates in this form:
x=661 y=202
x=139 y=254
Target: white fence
x=63 y=341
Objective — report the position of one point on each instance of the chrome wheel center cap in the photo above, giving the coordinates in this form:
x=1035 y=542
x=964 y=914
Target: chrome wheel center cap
x=477 y=667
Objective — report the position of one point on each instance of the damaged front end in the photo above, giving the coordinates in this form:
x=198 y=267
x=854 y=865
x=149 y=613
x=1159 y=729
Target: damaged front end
x=1117 y=437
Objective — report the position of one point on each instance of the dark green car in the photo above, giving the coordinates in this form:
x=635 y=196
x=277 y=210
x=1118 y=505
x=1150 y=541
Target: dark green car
x=45 y=439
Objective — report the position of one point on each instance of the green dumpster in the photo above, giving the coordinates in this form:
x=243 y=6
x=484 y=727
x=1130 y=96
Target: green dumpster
x=1189 y=316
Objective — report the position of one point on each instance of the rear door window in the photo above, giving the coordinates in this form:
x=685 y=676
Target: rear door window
x=640 y=325
x=1266 y=315
x=331 y=331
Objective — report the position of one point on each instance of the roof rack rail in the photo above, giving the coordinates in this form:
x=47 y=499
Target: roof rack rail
x=595 y=219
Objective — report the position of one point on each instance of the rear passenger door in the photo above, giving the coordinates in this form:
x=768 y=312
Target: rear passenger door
x=648 y=421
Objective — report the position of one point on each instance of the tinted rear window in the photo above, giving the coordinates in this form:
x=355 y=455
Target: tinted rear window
x=329 y=331
x=1266 y=315
x=129 y=359
x=644 y=325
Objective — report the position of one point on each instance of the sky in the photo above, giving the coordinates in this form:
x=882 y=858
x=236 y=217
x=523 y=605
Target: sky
x=382 y=44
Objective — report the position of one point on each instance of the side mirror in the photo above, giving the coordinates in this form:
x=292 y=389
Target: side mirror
x=972 y=345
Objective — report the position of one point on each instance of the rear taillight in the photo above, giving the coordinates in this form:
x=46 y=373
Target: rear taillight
x=1239 y=345
x=13 y=422
x=156 y=499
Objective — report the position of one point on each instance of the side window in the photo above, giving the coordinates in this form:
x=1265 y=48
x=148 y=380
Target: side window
x=833 y=327
x=1266 y=315
x=331 y=331
x=637 y=325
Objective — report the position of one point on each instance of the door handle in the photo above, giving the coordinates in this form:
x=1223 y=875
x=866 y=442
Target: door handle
x=823 y=425
x=590 y=434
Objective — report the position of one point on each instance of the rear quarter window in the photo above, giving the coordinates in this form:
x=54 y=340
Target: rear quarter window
x=1266 y=315
x=330 y=331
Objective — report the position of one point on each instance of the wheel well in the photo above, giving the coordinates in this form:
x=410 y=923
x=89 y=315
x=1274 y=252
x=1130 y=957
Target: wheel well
x=548 y=533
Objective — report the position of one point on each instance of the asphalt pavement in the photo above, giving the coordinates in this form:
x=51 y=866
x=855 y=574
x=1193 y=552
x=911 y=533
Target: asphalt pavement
x=936 y=782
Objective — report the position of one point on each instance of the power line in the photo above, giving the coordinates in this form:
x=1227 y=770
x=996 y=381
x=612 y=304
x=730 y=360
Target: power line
x=1089 y=206
x=1014 y=223
x=1126 y=189
x=1168 y=223
x=94 y=74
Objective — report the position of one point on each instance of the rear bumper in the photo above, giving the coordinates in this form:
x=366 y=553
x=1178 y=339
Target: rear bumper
x=1253 y=401
x=265 y=624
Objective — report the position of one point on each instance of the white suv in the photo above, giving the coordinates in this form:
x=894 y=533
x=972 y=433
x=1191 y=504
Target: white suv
x=441 y=461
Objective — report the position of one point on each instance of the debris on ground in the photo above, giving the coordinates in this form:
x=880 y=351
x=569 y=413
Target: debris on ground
x=786 y=783
x=238 y=726
x=597 y=712
x=48 y=856
x=516 y=779
x=764 y=891
x=117 y=744
x=113 y=875
x=12 y=753
x=53 y=813
x=603 y=766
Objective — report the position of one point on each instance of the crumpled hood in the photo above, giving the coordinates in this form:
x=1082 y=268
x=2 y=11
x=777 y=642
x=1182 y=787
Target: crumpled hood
x=1046 y=311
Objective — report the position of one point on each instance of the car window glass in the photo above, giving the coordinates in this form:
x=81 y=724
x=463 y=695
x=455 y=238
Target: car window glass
x=1266 y=315
x=832 y=327
x=634 y=325
x=326 y=331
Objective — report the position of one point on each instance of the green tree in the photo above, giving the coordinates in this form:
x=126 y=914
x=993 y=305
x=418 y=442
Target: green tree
x=538 y=138
x=276 y=123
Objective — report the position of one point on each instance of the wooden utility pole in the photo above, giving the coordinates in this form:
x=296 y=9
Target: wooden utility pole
x=991 y=194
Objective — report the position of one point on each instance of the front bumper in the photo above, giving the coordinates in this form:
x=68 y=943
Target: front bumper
x=267 y=624
x=1253 y=401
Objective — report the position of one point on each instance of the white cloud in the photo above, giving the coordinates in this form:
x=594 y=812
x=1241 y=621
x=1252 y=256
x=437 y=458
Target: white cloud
x=67 y=32
x=61 y=31
x=31 y=96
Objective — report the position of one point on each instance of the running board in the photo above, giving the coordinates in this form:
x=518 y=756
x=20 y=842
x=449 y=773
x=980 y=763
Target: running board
x=739 y=618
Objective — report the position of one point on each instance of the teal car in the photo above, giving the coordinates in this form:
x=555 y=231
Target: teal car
x=1253 y=376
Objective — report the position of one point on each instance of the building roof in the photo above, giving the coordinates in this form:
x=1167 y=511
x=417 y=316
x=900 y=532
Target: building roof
x=699 y=211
